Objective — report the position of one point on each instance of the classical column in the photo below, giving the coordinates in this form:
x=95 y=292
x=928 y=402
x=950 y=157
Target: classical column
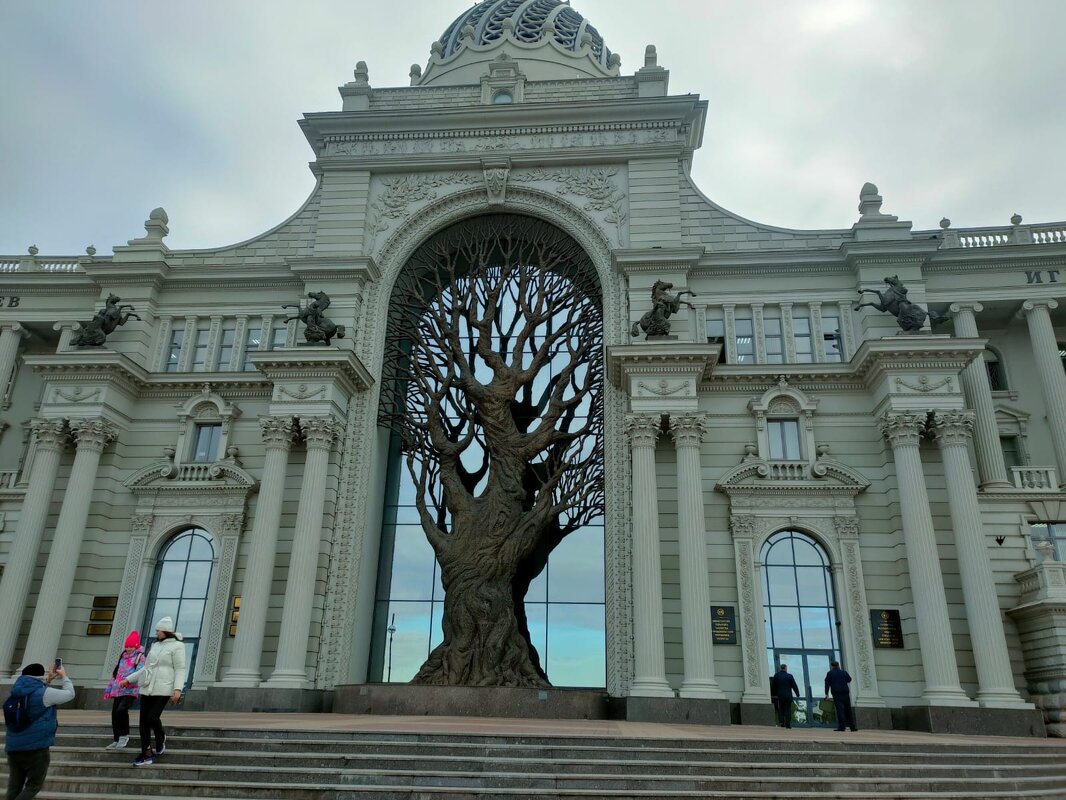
x=11 y=334
x=698 y=647
x=51 y=611
x=649 y=653
x=290 y=669
x=923 y=560
x=995 y=677
x=1052 y=380
x=244 y=667
x=978 y=391
x=50 y=439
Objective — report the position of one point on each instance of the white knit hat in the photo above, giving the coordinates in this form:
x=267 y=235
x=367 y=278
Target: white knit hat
x=166 y=625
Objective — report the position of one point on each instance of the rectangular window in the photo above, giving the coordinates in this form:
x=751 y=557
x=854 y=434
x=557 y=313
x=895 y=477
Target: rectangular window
x=997 y=380
x=774 y=341
x=225 y=349
x=252 y=339
x=1054 y=532
x=278 y=335
x=715 y=330
x=207 y=441
x=1012 y=455
x=801 y=333
x=784 y=439
x=745 y=333
x=174 y=351
x=834 y=342
x=199 y=353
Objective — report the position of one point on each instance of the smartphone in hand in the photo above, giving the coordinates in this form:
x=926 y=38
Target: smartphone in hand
x=58 y=665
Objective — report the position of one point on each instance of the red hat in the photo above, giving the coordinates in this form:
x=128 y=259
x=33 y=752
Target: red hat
x=133 y=640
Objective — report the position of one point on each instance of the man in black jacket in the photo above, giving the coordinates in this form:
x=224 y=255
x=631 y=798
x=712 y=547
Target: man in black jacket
x=836 y=681
x=782 y=685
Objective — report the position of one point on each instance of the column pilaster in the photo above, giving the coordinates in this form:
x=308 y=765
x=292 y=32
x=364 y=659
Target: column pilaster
x=11 y=335
x=50 y=439
x=857 y=638
x=290 y=669
x=687 y=431
x=903 y=431
x=1049 y=368
x=994 y=674
x=649 y=652
x=245 y=666
x=91 y=435
x=978 y=390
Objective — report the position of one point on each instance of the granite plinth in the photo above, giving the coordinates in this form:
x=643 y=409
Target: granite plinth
x=970 y=721
x=469 y=701
x=696 y=711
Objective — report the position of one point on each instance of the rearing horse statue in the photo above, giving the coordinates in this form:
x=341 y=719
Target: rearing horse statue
x=112 y=315
x=319 y=328
x=663 y=305
x=910 y=316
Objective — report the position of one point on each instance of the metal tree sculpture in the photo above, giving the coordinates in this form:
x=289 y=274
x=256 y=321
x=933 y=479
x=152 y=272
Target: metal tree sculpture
x=493 y=380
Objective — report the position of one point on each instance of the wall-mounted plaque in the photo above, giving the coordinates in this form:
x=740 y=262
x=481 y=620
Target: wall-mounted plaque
x=724 y=624
x=886 y=627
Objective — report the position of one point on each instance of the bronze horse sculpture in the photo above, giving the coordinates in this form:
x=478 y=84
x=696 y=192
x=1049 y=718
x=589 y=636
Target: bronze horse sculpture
x=319 y=328
x=910 y=316
x=663 y=305
x=112 y=315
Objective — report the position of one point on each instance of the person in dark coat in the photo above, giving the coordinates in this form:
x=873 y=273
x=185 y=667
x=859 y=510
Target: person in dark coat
x=836 y=681
x=782 y=686
x=28 y=749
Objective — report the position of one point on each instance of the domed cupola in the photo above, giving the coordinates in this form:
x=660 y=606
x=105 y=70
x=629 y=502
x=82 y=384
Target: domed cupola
x=548 y=38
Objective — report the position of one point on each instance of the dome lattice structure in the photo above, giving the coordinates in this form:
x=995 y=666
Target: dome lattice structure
x=532 y=20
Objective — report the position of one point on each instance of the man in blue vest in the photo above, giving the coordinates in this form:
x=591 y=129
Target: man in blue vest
x=27 y=749
x=836 y=681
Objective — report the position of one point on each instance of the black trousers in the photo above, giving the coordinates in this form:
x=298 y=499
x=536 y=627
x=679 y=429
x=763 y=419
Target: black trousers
x=152 y=706
x=784 y=711
x=845 y=713
x=120 y=716
x=26 y=773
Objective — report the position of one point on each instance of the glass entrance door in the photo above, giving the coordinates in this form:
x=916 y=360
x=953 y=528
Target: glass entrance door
x=809 y=667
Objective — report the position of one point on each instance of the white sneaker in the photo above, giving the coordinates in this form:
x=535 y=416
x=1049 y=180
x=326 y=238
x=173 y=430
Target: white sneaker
x=122 y=742
x=113 y=746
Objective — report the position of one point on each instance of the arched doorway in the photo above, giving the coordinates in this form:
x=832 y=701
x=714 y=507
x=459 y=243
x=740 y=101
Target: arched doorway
x=180 y=585
x=800 y=615
x=546 y=305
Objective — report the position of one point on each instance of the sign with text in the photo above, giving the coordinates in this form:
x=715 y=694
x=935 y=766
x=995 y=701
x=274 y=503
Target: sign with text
x=886 y=627
x=724 y=624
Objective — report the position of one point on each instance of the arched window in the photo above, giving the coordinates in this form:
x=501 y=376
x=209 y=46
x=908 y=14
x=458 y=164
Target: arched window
x=180 y=586
x=799 y=610
x=997 y=374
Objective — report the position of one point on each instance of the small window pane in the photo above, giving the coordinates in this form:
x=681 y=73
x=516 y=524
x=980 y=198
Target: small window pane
x=252 y=338
x=811 y=583
x=197 y=577
x=577 y=645
x=279 y=334
x=201 y=549
x=745 y=340
x=1011 y=454
x=174 y=350
x=786 y=626
x=575 y=569
x=412 y=564
x=190 y=617
x=178 y=550
x=715 y=330
x=783 y=436
x=817 y=628
x=832 y=338
x=208 y=438
x=782 y=583
x=171 y=579
x=225 y=349
x=199 y=356
x=409 y=645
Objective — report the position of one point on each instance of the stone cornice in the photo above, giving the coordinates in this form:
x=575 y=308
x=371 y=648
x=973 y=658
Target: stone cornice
x=330 y=363
x=656 y=259
x=656 y=358
x=891 y=251
x=96 y=366
x=902 y=353
x=360 y=267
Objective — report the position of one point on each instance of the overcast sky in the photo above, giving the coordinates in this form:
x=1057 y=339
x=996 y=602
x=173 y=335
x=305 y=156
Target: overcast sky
x=110 y=108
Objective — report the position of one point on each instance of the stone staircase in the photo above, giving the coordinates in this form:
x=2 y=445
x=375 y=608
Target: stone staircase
x=225 y=764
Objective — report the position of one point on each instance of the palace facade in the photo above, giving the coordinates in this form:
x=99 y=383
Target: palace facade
x=789 y=478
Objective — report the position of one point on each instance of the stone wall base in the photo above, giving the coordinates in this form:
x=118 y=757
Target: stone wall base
x=469 y=701
x=676 y=710
x=232 y=698
x=970 y=721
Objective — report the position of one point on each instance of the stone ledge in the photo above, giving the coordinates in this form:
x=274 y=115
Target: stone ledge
x=970 y=721
x=674 y=710
x=470 y=701
x=233 y=698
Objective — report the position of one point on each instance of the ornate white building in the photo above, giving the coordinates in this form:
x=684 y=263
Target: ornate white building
x=787 y=478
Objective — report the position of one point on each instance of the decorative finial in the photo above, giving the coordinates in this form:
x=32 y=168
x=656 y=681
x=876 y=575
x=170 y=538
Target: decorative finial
x=362 y=75
x=468 y=34
x=416 y=73
x=945 y=223
x=32 y=250
x=1016 y=219
x=507 y=25
x=651 y=57
x=869 y=201
x=90 y=250
x=586 y=39
x=436 y=50
x=614 y=61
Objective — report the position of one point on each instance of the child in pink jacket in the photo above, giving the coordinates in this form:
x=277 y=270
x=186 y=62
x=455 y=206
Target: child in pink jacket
x=131 y=660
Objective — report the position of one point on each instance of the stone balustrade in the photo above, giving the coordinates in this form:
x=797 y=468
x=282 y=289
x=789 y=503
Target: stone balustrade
x=1035 y=478
x=1054 y=233
x=32 y=263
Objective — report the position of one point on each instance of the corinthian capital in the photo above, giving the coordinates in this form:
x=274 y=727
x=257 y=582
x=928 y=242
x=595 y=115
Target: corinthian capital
x=687 y=429
x=902 y=428
x=92 y=434
x=277 y=431
x=51 y=434
x=643 y=429
x=319 y=432
x=953 y=427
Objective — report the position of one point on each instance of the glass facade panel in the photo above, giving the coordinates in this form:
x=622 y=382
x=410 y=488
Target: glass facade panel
x=575 y=644
x=575 y=571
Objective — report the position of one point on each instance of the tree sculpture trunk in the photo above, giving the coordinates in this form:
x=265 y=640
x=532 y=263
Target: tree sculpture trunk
x=493 y=380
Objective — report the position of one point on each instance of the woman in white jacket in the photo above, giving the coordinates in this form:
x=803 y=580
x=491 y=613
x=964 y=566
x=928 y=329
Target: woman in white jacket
x=161 y=680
